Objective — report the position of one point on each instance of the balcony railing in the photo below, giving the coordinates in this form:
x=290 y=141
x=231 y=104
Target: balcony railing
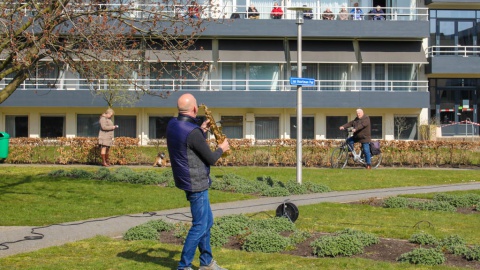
x=458 y=50
x=140 y=9
x=222 y=85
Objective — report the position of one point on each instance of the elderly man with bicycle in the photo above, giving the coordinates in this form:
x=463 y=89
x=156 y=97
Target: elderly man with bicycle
x=361 y=133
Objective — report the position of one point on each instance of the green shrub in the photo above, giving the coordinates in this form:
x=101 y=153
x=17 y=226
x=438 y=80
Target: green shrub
x=265 y=241
x=331 y=246
x=58 y=173
x=141 y=232
x=396 y=202
x=149 y=177
x=123 y=174
x=295 y=188
x=233 y=224
x=367 y=239
x=466 y=200
x=79 y=173
x=102 y=174
x=218 y=237
x=276 y=224
x=316 y=188
x=473 y=254
x=461 y=250
x=148 y=231
x=160 y=225
x=181 y=230
x=423 y=256
x=270 y=181
x=423 y=238
x=165 y=177
x=275 y=192
x=433 y=206
x=451 y=242
x=299 y=236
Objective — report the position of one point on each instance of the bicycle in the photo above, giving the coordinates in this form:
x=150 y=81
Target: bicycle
x=340 y=157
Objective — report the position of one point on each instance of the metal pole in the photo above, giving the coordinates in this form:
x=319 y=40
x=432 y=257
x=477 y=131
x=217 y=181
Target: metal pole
x=299 y=96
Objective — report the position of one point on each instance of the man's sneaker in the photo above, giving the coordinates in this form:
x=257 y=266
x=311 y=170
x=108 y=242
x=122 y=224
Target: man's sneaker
x=213 y=266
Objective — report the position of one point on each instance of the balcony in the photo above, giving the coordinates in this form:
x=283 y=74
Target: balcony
x=252 y=94
x=453 y=60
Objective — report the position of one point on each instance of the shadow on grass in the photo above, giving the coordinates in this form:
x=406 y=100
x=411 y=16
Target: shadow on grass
x=4 y=189
x=164 y=257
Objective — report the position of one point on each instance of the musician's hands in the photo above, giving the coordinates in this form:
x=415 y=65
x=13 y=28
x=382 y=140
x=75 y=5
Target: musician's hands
x=205 y=125
x=224 y=145
x=342 y=128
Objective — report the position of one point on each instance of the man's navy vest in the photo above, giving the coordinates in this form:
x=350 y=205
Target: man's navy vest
x=178 y=130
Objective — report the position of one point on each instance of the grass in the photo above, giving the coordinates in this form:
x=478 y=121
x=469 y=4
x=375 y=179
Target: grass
x=30 y=197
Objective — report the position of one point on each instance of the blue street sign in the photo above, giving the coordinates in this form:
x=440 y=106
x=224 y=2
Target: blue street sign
x=302 y=81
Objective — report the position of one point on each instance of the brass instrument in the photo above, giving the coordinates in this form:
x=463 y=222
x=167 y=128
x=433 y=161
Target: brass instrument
x=215 y=129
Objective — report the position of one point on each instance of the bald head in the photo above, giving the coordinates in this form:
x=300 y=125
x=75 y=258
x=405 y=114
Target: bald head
x=359 y=113
x=187 y=104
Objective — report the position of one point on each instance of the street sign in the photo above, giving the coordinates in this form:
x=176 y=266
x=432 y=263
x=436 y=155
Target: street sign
x=302 y=81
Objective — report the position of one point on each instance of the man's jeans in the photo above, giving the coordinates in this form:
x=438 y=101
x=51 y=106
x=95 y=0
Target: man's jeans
x=365 y=147
x=199 y=233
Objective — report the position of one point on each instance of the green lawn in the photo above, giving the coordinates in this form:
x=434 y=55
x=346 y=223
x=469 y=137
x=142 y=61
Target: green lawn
x=30 y=197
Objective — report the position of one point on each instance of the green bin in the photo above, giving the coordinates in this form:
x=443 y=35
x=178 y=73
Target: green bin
x=4 y=139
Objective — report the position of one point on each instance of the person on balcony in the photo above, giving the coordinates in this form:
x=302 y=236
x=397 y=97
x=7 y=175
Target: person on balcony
x=377 y=14
x=328 y=15
x=194 y=10
x=307 y=14
x=343 y=14
x=277 y=11
x=356 y=12
x=252 y=12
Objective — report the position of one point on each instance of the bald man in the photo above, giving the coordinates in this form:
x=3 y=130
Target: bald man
x=191 y=158
x=362 y=133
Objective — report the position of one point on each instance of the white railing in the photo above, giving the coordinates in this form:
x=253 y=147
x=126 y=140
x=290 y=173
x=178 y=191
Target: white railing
x=458 y=50
x=224 y=85
x=137 y=9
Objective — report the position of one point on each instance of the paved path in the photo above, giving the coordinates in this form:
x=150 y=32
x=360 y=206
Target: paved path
x=59 y=234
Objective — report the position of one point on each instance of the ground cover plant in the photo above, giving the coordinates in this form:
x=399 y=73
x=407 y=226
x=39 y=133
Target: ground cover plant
x=325 y=218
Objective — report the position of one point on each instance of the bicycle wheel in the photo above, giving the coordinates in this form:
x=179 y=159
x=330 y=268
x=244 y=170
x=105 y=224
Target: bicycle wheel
x=376 y=160
x=339 y=157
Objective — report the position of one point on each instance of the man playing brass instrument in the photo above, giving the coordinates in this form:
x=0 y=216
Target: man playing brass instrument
x=191 y=158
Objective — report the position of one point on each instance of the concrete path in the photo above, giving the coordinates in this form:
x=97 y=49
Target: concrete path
x=22 y=239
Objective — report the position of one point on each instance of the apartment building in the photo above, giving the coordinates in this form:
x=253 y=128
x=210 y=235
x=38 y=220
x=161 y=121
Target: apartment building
x=415 y=65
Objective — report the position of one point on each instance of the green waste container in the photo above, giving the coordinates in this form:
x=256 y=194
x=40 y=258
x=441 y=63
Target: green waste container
x=4 y=139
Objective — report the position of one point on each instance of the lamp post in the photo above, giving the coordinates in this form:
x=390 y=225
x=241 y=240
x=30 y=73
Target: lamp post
x=299 y=21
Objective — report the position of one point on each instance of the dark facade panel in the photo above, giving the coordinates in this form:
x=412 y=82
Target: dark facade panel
x=453 y=65
x=231 y=50
x=230 y=99
x=392 y=52
x=319 y=29
x=324 y=51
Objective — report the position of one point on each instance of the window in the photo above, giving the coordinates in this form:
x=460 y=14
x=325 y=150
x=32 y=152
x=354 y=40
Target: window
x=234 y=76
x=402 y=74
x=308 y=127
x=333 y=75
x=45 y=76
x=263 y=76
x=52 y=126
x=167 y=76
x=376 y=127
x=127 y=126
x=333 y=124
x=232 y=126
x=88 y=125
x=267 y=128
x=157 y=126
x=16 y=126
x=405 y=127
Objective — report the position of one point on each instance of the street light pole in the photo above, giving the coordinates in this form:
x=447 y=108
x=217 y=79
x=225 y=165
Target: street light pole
x=299 y=21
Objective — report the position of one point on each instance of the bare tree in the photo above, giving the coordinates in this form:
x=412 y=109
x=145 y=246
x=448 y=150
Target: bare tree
x=401 y=124
x=104 y=42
